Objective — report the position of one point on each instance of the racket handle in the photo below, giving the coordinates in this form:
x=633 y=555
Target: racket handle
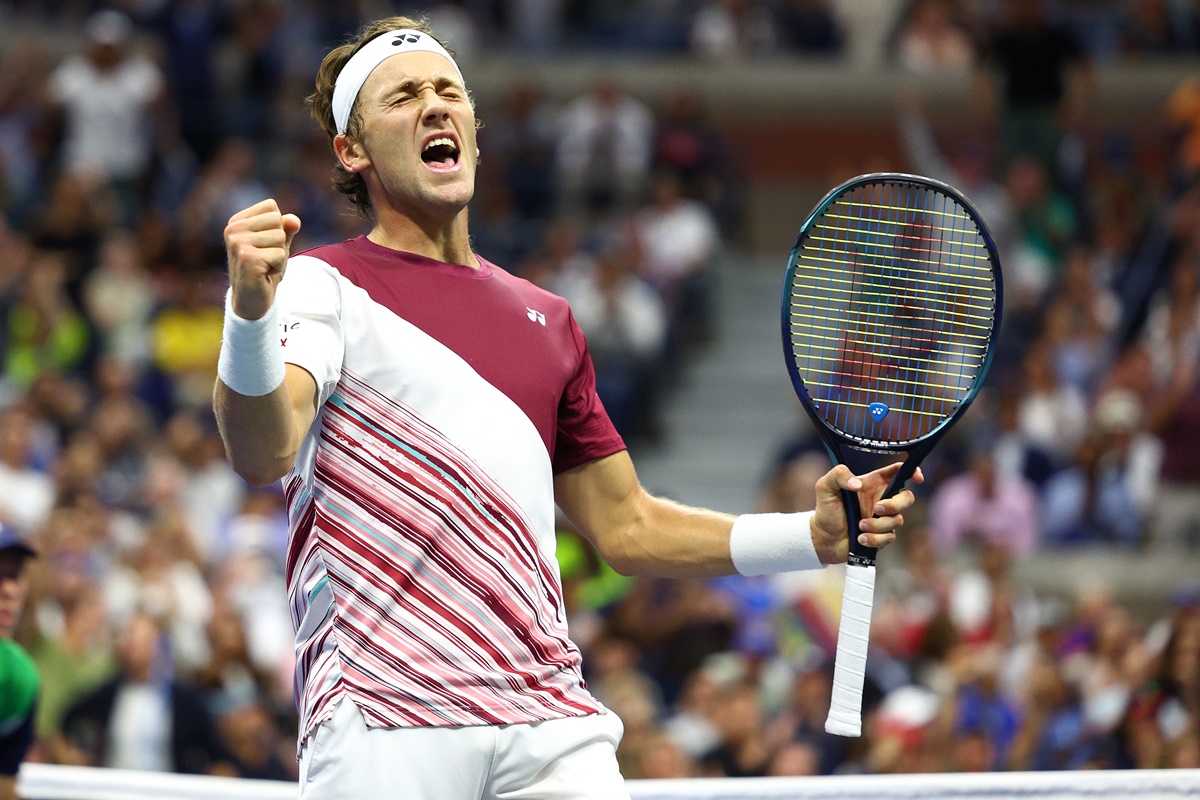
x=862 y=554
x=850 y=664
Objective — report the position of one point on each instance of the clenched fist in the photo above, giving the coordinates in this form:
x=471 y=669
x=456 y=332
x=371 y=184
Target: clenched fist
x=257 y=242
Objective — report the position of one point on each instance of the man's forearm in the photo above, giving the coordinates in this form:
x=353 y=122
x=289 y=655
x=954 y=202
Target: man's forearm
x=259 y=432
x=672 y=540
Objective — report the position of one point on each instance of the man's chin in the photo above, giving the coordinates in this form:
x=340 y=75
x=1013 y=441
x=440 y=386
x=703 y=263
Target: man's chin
x=451 y=198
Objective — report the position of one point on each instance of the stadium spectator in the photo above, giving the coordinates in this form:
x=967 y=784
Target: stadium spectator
x=1045 y=81
x=520 y=139
x=994 y=507
x=744 y=751
x=225 y=184
x=118 y=298
x=1045 y=225
x=23 y=150
x=26 y=492
x=1053 y=415
x=145 y=718
x=688 y=144
x=72 y=649
x=1052 y=733
x=1080 y=323
x=677 y=240
x=46 y=333
x=604 y=151
x=1106 y=495
x=932 y=40
x=251 y=69
x=192 y=38
x=730 y=30
x=257 y=749
x=808 y=26
x=185 y=333
x=626 y=324
x=162 y=578
x=1152 y=28
x=107 y=95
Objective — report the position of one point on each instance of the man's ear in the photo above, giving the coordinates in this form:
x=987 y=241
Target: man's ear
x=351 y=153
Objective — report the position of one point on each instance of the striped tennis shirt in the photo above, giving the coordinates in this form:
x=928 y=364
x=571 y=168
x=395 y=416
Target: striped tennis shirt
x=421 y=570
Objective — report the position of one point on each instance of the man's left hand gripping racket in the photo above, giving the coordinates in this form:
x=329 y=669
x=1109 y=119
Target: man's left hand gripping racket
x=890 y=310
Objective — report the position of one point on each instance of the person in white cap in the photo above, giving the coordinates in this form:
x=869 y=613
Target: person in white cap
x=106 y=94
x=426 y=410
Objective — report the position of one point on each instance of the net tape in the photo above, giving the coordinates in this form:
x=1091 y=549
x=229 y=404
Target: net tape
x=50 y=782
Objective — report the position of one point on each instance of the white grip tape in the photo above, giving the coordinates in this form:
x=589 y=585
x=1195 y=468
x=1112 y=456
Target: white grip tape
x=850 y=666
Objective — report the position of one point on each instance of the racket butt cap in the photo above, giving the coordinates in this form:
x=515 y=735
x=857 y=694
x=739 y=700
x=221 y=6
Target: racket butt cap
x=843 y=725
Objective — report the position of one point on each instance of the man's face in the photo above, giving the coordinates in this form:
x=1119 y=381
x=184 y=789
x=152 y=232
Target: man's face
x=13 y=588
x=418 y=135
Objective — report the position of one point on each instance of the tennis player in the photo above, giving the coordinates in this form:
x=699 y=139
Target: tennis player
x=18 y=675
x=426 y=410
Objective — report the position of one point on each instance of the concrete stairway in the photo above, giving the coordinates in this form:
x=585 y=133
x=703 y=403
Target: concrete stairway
x=734 y=406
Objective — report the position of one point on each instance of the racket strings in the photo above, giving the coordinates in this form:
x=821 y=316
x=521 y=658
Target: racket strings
x=915 y=248
x=891 y=310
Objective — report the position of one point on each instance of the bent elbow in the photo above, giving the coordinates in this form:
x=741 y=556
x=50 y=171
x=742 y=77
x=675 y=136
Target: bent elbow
x=259 y=478
x=260 y=474
x=624 y=567
x=621 y=558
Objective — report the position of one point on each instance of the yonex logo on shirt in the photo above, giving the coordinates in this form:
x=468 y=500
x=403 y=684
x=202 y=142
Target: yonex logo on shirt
x=287 y=327
x=536 y=316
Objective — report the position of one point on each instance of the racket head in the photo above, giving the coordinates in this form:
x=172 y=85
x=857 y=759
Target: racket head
x=891 y=304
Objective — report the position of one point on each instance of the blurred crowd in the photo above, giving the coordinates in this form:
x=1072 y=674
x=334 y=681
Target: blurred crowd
x=130 y=133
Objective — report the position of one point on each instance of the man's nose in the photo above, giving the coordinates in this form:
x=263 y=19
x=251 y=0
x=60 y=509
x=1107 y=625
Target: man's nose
x=436 y=108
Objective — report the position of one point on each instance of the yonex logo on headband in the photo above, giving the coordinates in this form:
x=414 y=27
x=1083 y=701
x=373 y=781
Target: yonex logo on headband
x=360 y=66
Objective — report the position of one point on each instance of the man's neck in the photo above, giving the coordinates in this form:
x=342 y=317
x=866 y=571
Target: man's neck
x=448 y=242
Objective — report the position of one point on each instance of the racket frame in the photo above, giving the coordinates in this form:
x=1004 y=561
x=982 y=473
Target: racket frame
x=836 y=442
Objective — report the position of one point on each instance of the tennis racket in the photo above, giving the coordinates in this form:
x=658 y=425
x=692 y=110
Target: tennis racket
x=890 y=309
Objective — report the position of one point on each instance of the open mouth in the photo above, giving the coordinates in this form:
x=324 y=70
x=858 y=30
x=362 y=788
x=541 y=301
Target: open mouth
x=441 y=154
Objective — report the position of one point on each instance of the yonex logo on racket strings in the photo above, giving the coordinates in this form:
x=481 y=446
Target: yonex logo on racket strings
x=878 y=411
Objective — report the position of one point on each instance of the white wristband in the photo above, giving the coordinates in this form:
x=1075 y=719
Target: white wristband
x=250 y=362
x=761 y=544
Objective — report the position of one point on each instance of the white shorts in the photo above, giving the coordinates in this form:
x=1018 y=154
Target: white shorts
x=561 y=759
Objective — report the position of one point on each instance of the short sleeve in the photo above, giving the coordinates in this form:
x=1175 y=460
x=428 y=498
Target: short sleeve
x=66 y=82
x=145 y=80
x=584 y=432
x=309 y=306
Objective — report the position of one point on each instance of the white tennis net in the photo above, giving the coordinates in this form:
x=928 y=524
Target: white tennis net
x=46 y=782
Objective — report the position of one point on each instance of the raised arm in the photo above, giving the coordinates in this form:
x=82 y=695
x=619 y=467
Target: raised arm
x=637 y=533
x=263 y=408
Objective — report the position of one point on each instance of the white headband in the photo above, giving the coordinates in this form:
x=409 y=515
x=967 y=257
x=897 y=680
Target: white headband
x=363 y=63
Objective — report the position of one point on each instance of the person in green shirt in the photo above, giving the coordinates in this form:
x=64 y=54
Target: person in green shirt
x=18 y=676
